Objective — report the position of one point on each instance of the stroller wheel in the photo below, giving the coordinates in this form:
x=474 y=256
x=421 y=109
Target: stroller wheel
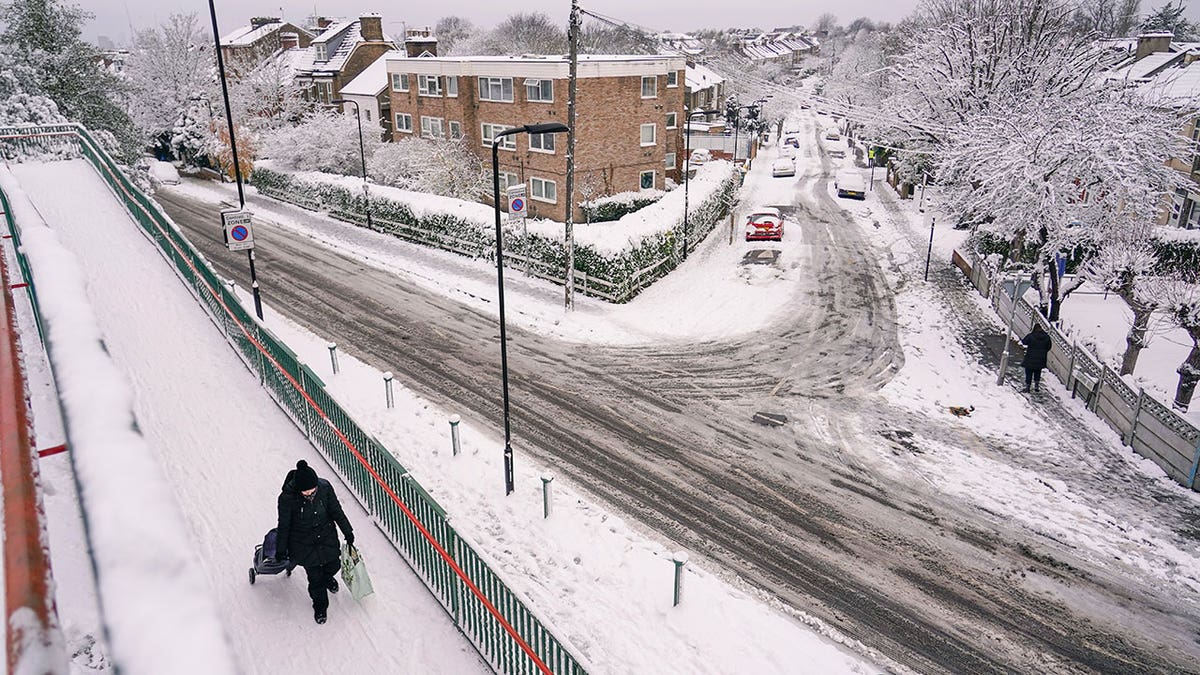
x=252 y=575
x=289 y=572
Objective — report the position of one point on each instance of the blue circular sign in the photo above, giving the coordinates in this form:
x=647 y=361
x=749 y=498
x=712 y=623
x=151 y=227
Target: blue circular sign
x=518 y=204
x=239 y=233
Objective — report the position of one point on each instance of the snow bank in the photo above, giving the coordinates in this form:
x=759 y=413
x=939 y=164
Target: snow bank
x=139 y=547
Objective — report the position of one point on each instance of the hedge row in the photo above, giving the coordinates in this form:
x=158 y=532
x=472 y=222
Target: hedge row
x=610 y=208
x=1177 y=251
x=469 y=236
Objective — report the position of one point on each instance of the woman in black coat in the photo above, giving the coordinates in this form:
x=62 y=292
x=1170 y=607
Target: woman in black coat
x=1037 y=347
x=308 y=508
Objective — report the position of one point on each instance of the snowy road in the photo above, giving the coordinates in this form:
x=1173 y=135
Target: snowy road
x=227 y=460
x=841 y=513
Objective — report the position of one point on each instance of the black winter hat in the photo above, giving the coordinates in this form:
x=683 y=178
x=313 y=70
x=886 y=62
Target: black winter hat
x=306 y=478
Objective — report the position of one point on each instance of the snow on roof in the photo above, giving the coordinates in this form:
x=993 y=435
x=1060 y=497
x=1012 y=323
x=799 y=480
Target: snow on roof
x=339 y=41
x=375 y=78
x=1145 y=67
x=1174 y=86
x=700 y=77
x=247 y=35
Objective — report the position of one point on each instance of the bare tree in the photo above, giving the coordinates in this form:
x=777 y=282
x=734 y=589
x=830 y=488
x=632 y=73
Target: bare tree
x=1181 y=305
x=518 y=34
x=827 y=22
x=451 y=31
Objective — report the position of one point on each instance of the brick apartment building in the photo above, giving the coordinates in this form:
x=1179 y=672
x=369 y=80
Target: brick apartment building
x=629 y=120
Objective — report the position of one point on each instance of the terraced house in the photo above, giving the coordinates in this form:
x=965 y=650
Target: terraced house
x=628 y=131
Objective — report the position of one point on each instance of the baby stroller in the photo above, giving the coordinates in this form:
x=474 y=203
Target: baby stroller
x=267 y=550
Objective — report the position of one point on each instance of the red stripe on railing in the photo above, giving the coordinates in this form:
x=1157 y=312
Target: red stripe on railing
x=341 y=437
x=26 y=569
x=54 y=450
x=20 y=285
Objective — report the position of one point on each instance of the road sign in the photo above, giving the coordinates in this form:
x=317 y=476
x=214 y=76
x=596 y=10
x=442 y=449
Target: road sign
x=518 y=207
x=239 y=233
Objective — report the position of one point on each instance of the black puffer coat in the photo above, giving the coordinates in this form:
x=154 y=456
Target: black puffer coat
x=1037 y=346
x=306 y=533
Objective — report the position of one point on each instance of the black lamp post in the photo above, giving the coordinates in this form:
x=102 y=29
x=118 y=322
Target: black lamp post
x=362 y=154
x=737 y=117
x=547 y=128
x=687 y=168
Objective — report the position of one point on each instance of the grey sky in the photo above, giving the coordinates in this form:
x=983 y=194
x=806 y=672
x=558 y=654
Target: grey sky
x=113 y=17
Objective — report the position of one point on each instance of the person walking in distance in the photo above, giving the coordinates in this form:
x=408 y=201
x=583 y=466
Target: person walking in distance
x=308 y=509
x=1037 y=347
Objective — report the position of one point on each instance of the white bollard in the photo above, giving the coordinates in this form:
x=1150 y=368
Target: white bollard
x=333 y=356
x=387 y=388
x=547 y=495
x=680 y=559
x=454 y=440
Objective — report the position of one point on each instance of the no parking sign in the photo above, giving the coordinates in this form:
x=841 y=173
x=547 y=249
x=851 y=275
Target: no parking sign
x=518 y=207
x=239 y=235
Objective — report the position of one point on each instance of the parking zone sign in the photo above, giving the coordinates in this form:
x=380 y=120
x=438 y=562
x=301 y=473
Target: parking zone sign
x=239 y=234
x=518 y=207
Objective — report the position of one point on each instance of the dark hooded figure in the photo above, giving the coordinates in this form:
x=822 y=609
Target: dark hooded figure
x=1037 y=347
x=308 y=508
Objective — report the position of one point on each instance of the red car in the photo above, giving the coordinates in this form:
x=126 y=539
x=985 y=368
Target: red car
x=765 y=223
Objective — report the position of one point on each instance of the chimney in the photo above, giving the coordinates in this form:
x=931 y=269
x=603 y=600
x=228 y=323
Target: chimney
x=1152 y=43
x=371 y=27
x=260 y=21
x=289 y=40
x=324 y=22
x=418 y=41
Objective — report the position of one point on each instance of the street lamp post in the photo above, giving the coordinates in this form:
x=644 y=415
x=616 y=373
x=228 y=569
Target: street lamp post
x=737 y=118
x=547 y=128
x=362 y=154
x=1019 y=288
x=687 y=168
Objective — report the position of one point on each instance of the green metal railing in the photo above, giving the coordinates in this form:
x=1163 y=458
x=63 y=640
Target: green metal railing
x=495 y=619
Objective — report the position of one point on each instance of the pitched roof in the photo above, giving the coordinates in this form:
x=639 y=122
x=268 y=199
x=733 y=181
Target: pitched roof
x=375 y=78
x=699 y=78
x=338 y=40
x=1175 y=86
x=1145 y=67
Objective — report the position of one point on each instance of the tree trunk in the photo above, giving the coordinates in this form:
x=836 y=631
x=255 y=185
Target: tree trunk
x=1189 y=373
x=1055 y=291
x=1136 y=339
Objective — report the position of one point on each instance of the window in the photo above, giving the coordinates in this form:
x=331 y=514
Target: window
x=539 y=91
x=404 y=122
x=669 y=162
x=432 y=127
x=649 y=134
x=368 y=112
x=324 y=91
x=452 y=86
x=489 y=132
x=455 y=131
x=543 y=190
x=322 y=53
x=496 y=89
x=507 y=179
x=672 y=120
x=541 y=142
x=429 y=85
x=646 y=180
x=673 y=78
x=649 y=86
x=399 y=81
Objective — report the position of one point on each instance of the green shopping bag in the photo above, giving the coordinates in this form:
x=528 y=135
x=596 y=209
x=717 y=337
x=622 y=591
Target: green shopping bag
x=354 y=573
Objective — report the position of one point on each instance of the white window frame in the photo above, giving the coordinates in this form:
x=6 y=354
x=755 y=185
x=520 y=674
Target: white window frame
x=321 y=52
x=407 y=126
x=400 y=82
x=508 y=178
x=537 y=85
x=368 y=113
x=488 y=131
x=672 y=120
x=485 y=89
x=670 y=161
x=652 y=80
x=455 y=130
x=451 y=86
x=672 y=78
x=653 y=135
x=424 y=88
x=537 y=143
x=427 y=127
x=534 y=184
x=653 y=179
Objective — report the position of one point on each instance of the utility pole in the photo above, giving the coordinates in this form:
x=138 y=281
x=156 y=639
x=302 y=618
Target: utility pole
x=569 y=238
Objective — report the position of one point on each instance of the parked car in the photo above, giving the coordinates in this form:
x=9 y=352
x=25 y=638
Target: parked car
x=701 y=155
x=832 y=134
x=793 y=141
x=835 y=150
x=850 y=184
x=163 y=173
x=764 y=223
x=783 y=167
x=787 y=151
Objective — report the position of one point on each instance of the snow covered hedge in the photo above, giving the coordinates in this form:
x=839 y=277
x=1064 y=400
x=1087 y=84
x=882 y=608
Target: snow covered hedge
x=1176 y=250
x=619 y=258
x=614 y=207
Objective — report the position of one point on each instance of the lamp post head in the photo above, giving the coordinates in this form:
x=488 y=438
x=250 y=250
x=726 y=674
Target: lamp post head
x=546 y=128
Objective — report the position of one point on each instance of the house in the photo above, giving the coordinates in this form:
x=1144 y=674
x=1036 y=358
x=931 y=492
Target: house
x=705 y=90
x=370 y=89
x=246 y=46
x=680 y=43
x=779 y=46
x=340 y=53
x=628 y=130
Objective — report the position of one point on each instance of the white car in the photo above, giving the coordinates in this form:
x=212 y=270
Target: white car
x=701 y=155
x=834 y=150
x=163 y=173
x=783 y=167
x=850 y=184
x=832 y=134
x=787 y=151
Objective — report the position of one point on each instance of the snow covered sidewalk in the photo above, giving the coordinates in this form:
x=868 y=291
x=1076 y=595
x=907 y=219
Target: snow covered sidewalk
x=225 y=447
